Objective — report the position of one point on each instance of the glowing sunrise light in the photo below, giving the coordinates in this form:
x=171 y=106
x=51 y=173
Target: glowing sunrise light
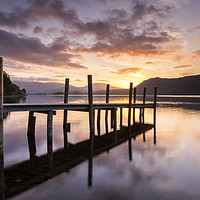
x=115 y=42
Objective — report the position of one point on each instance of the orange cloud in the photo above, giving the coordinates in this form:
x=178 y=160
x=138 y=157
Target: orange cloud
x=132 y=70
x=149 y=63
x=197 y=52
x=182 y=66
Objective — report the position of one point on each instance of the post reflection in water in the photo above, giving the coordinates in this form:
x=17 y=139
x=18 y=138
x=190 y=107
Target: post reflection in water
x=30 y=173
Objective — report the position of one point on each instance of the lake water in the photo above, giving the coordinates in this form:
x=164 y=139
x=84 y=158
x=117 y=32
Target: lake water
x=169 y=169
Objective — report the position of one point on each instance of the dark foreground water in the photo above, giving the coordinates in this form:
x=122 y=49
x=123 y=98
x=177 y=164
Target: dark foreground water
x=169 y=169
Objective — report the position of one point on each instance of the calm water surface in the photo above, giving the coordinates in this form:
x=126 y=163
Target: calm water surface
x=169 y=169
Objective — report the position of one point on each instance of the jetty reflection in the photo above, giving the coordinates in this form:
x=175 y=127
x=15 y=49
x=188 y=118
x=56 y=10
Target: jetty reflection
x=26 y=175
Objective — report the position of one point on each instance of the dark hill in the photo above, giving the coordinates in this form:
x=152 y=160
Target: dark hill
x=11 y=89
x=185 y=85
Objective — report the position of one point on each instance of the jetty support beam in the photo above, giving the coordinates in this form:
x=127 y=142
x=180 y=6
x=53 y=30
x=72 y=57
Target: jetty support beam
x=91 y=112
x=155 y=101
x=66 y=126
x=134 y=101
x=107 y=101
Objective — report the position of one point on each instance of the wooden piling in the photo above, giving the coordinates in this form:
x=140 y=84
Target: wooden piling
x=91 y=112
x=49 y=139
x=65 y=124
x=154 y=111
x=31 y=135
x=115 y=119
x=144 y=99
x=98 y=122
x=121 y=117
x=1 y=133
x=130 y=103
x=111 y=118
x=107 y=101
x=129 y=121
x=134 y=101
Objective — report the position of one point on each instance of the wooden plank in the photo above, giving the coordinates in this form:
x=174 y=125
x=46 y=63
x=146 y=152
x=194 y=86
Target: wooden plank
x=45 y=112
x=75 y=107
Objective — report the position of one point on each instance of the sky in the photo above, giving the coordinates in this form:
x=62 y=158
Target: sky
x=117 y=41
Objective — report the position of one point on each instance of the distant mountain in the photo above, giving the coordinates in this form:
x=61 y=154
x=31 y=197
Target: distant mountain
x=51 y=87
x=38 y=87
x=185 y=85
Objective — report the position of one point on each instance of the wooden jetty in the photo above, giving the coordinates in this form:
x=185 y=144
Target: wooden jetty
x=90 y=107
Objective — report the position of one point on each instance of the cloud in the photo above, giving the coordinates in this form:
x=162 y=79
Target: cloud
x=149 y=63
x=135 y=32
x=186 y=74
x=32 y=50
x=182 y=66
x=38 y=10
x=38 y=29
x=197 y=52
x=175 y=3
x=78 y=80
x=132 y=70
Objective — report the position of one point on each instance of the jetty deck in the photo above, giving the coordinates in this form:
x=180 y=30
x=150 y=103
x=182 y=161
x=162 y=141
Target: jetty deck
x=71 y=106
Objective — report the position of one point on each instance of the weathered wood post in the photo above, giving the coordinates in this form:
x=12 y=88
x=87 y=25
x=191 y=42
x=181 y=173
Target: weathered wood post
x=129 y=121
x=121 y=117
x=115 y=123
x=144 y=99
x=98 y=122
x=49 y=139
x=31 y=134
x=91 y=113
x=154 y=111
x=134 y=101
x=65 y=124
x=1 y=133
x=107 y=101
x=130 y=104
